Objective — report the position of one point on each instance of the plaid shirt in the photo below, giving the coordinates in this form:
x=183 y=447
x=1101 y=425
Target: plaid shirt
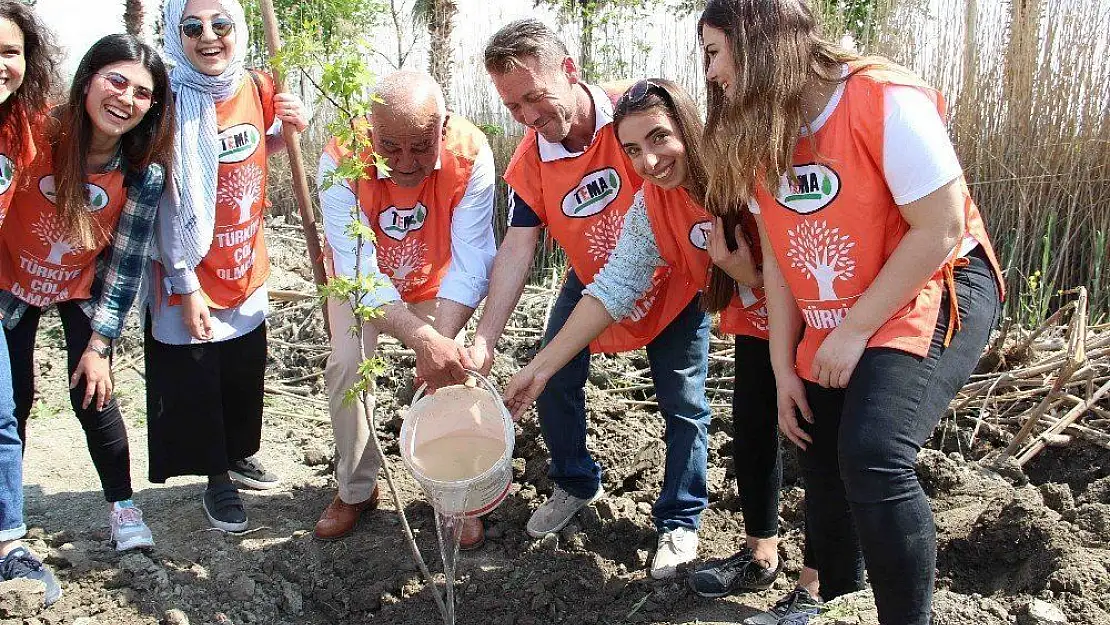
x=119 y=268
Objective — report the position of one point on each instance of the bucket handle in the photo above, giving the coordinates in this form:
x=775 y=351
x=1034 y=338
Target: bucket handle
x=419 y=394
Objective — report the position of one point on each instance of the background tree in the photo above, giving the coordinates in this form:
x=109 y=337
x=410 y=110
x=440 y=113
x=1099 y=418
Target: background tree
x=438 y=16
x=133 y=17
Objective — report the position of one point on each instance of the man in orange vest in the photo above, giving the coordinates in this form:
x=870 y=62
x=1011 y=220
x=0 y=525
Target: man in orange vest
x=431 y=212
x=570 y=175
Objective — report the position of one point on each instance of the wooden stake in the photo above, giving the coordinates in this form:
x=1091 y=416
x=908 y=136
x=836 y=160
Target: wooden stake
x=296 y=163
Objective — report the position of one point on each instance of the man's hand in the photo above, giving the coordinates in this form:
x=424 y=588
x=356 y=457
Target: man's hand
x=197 y=317
x=481 y=354
x=440 y=361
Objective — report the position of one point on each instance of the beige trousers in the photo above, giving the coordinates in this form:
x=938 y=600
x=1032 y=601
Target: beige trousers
x=356 y=461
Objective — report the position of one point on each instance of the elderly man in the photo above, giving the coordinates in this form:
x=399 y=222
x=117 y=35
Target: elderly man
x=570 y=175
x=431 y=213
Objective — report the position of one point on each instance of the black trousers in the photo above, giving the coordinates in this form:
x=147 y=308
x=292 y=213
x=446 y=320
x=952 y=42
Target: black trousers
x=756 y=450
x=863 y=500
x=203 y=402
x=105 y=432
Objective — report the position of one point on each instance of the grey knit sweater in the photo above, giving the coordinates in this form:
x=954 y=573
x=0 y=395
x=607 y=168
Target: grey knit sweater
x=626 y=276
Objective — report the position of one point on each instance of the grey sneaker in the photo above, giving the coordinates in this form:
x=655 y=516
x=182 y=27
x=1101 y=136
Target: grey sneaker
x=251 y=473
x=796 y=608
x=676 y=548
x=128 y=529
x=20 y=562
x=557 y=511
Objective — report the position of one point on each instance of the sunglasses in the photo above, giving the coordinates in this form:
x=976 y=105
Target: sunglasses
x=193 y=27
x=120 y=84
x=637 y=92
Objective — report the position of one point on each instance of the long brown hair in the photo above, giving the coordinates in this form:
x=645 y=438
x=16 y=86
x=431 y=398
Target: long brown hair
x=750 y=137
x=28 y=104
x=151 y=141
x=672 y=99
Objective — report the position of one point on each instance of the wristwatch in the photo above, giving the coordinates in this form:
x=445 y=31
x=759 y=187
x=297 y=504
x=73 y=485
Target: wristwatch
x=103 y=351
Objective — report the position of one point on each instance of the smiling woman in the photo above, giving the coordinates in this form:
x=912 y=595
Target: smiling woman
x=80 y=233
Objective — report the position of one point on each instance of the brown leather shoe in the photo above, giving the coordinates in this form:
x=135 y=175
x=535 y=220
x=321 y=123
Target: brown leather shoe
x=473 y=534
x=340 y=517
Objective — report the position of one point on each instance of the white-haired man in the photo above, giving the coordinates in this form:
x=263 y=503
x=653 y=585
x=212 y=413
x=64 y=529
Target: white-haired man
x=431 y=214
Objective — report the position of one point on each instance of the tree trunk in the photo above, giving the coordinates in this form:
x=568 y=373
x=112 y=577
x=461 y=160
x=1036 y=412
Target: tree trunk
x=440 y=57
x=133 y=17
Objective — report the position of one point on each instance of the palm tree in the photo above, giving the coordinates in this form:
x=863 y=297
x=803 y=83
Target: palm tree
x=133 y=17
x=438 y=17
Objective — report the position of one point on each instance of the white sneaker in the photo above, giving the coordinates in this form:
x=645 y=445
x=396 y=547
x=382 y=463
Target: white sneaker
x=128 y=529
x=557 y=511
x=676 y=547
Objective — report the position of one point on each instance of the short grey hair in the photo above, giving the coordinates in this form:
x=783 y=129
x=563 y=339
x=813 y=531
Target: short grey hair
x=522 y=39
x=405 y=91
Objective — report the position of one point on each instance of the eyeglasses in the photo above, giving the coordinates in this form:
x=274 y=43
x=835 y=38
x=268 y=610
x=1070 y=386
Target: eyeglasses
x=637 y=92
x=120 y=84
x=193 y=27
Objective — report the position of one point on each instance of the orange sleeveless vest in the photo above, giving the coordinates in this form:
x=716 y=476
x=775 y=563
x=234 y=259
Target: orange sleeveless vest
x=412 y=225
x=582 y=201
x=681 y=227
x=833 y=224
x=237 y=264
x=41 y=265
x=11 y=158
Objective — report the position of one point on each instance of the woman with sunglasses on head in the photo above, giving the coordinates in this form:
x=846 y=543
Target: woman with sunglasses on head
x=665 y=225
x=28 y=63
x=205 y=347
x=882 y=285
x=78 y=238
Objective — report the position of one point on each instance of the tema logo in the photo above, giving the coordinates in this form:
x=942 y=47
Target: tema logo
x=98 y=197
x=7 y=173
x=593 y=194
x=699 y=234
x=396 y=223
x=811 y=188
x=236 y=144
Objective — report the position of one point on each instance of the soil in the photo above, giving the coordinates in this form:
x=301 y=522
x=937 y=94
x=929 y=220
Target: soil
x=1007 y=545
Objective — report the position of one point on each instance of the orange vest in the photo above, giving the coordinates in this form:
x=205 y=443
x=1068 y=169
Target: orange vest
x=582 y=201
x=10 y=161
x=412 y=225
x=237 y=263
x=833 y=224
x=40 y=264
x=681 y=228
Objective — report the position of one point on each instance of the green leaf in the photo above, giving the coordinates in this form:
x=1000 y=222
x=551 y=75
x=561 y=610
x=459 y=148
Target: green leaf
x=826 y=185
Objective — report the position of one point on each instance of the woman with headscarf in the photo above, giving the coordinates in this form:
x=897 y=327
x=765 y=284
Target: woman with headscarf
x=205 y=347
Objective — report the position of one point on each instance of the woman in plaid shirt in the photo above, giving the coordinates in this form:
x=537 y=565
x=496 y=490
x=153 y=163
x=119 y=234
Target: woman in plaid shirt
x=78 y=235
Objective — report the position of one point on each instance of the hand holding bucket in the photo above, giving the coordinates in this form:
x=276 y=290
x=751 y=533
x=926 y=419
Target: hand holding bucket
x=458 y=444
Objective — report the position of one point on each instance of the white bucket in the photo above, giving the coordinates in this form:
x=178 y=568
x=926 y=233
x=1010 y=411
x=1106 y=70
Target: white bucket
x=458 y=444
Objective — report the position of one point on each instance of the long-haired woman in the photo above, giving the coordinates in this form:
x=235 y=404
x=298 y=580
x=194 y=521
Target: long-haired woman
x=28 y=64
x=205 y=346
x=78 y=237
x=882 y=285
x=659 y=129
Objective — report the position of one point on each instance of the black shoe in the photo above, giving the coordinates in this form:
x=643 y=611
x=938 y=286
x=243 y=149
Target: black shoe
x=250 y=473
x=796 y=608
x=740 y=572
x=22 y=563
x=224 y=508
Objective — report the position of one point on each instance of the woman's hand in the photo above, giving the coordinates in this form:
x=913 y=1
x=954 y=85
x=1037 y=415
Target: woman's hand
x=792 y=400
x=198 y=319
x=738 y=263
x=290 y=110
x=523 y=390
x=97 y=371
x=838 y=356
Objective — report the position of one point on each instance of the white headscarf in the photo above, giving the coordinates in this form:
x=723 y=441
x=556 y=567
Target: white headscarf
x=196 y=155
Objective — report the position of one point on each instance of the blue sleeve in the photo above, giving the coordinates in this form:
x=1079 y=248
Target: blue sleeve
x=520 y=214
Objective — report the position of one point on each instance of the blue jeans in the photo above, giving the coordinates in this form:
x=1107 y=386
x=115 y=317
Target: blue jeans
x=679 y=360
x=11 y=456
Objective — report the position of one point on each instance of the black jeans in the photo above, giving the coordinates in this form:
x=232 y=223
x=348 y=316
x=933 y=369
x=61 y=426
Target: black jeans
x=756 y=451
x=863 y=500
x=105 y=432
x=203 y=403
